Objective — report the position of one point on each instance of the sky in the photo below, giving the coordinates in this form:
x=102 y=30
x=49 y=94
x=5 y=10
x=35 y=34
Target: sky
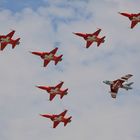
x=46 y=24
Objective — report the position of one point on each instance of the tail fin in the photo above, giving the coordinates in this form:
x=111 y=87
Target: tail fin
x=64 y=93
x=57 y=59
x=68 y=120
x=101 y=41
x=15 y=42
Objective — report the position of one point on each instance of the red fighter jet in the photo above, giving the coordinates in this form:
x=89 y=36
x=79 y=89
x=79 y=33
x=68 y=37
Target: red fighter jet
x=134 y=18
x=90 y=38
x=7 y=39
x=54 y=90
x=119 y=83
x=58 y=118
x=48 y=56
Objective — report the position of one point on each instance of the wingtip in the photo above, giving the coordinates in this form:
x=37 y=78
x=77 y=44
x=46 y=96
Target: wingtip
x=66 y=110
x=40 y=114
x=99 y=28
x=121 y=13
x=36 y=86
x=56 y=48
x=61 y=81
x=74 y=33
x=13 y=30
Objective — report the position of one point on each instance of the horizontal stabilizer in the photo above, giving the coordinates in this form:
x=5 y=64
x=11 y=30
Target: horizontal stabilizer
x=68 y=120
x=101 y=41
x=59 y=58
x=129 y=84
x=15 y=42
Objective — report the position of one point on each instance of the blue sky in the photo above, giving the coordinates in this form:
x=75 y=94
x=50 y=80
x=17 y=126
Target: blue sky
x=43 y=25
x=18 y=5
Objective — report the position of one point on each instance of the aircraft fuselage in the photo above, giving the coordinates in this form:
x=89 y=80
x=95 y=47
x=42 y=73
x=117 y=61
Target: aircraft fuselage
x=54 y=91
x=48 y=57
x=116 y=84
x=59 y=118
x=7 y=39
x=91 y=38
x=136 y=18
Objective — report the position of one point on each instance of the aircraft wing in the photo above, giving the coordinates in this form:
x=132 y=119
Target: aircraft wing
x=126 y=77
x=55 y=124
x=63 y=113
x=2 y=45
x=52 y=96
x=46 y=62
x=88 y=44
x=97 y=32
x=133 y=24
x=59 y=85
x=54 y=51
x=10 y=35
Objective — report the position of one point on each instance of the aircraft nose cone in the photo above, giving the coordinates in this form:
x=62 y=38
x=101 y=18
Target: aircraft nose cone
x=121 y=13
x=39 y=87
x=42 y=115
x=76 y=33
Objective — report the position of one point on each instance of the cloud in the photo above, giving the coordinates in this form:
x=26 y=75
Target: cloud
x=95 y=114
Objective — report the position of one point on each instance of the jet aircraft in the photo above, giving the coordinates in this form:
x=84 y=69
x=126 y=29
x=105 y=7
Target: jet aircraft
x=48 y=56
x=90 y=38
x=58 y=118
x=7 y=39
x=134 y=18
x=54 y=90
x=119 y=83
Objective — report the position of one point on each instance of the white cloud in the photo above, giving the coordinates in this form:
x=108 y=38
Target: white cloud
x=95 y=114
